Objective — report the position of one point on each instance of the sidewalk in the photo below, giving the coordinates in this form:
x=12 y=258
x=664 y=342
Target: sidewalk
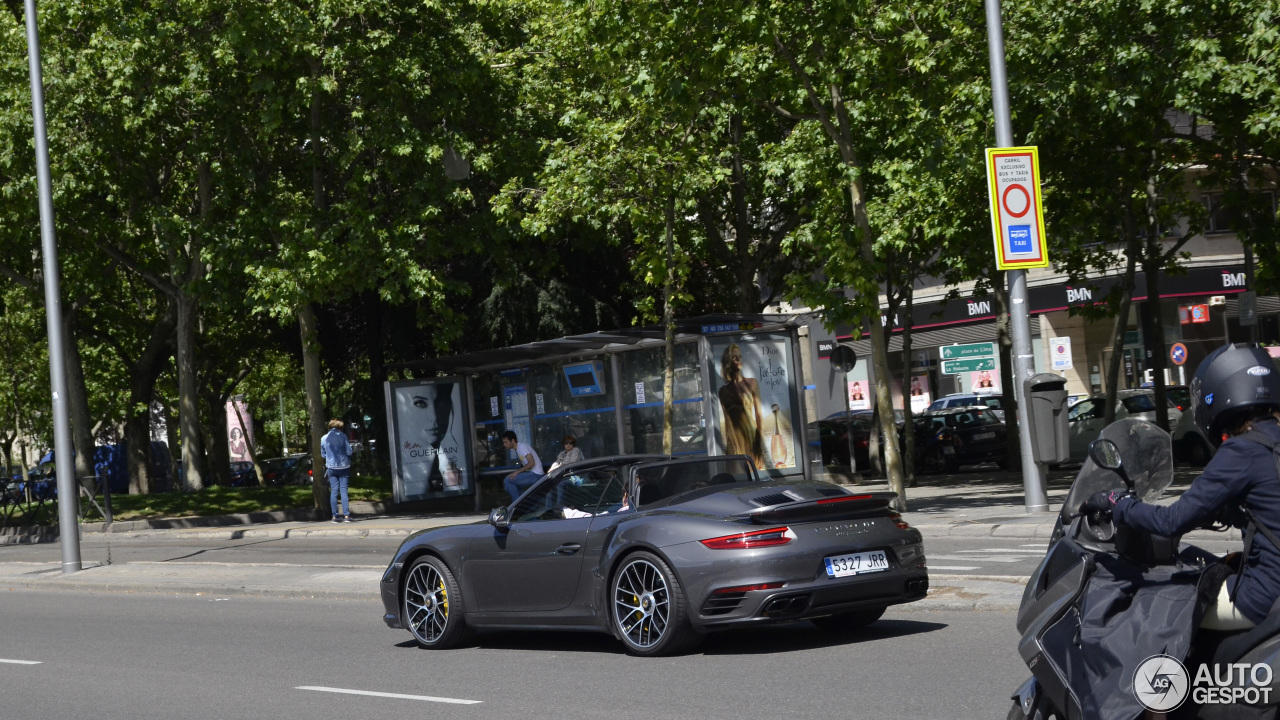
x=976 y=504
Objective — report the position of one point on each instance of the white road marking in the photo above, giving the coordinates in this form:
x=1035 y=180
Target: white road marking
x=21 y=662
x=1038 y=545
x=971 y=558
x=428 y=698
x=1010 y=551
x=952 y=567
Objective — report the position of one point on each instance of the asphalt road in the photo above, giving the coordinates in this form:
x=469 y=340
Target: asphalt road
x=370 y=551
x=946 y=555
x=115 y=655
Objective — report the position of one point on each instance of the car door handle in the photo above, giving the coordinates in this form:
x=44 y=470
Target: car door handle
x=569 y=548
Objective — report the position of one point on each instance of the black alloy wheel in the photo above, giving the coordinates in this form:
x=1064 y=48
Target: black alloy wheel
x=650 y=614
x=431 y=605
x=850 y=621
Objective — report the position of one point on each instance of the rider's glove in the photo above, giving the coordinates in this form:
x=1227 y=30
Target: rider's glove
x=1104 y=501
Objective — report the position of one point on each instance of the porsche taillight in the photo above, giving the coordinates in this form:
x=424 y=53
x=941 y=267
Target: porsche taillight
x=751 y=540
x=748 y=588
x=897 y=520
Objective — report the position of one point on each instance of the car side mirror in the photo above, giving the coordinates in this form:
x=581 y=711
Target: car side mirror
x=498 y=518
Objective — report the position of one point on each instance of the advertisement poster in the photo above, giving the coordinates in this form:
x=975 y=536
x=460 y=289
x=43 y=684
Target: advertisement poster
x=920 y=396
x=985 y=382
x=859 y=395
x=428 y=432
x=751 y=377
x=239 y=434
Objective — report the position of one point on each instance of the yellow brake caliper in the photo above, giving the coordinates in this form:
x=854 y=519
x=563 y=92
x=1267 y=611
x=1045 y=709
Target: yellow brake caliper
x=445 y=602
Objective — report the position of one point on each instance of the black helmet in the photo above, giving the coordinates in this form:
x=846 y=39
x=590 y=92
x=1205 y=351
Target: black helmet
x=1232 y=379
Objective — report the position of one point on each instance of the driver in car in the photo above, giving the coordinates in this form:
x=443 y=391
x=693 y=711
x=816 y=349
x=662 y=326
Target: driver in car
x=1235 y=396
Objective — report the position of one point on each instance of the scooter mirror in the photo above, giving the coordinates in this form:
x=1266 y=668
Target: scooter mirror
x=1105 y=454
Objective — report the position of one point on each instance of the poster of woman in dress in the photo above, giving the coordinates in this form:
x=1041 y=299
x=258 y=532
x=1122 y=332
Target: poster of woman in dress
x=753 y=387
x=429 y=449
x=239 y=429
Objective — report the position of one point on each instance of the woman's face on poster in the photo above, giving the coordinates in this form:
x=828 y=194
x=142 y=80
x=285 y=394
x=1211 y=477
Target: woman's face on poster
x=434 y=404
x=735 y=358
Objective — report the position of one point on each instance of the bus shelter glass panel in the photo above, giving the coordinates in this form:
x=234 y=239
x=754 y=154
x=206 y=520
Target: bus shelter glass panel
x=573 y=397
x=490 y=401
x=642 y=389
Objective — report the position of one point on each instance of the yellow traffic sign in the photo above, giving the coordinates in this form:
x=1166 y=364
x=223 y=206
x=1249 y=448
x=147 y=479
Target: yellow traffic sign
x=1017 y=215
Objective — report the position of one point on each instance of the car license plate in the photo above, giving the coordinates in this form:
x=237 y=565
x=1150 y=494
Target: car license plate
x=984 y=436
x=856 y=563
x=948 y=450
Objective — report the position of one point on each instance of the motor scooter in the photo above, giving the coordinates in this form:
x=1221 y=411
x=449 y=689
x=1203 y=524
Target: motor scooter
x=1107 y=599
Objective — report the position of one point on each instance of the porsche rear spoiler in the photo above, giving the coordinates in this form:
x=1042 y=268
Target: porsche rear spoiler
x=832 y=508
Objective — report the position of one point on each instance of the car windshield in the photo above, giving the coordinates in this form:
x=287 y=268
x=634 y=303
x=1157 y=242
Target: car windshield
x=279 y=464
x=666 y=481
x=971 y=418
x=1139 y=403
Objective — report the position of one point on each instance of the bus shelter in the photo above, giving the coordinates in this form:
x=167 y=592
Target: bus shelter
x=738 y=388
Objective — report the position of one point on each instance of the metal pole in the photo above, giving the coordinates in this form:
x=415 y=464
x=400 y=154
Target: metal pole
x=1020 y=323
x=68 y=497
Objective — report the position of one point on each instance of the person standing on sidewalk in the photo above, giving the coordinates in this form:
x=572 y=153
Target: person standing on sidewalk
x=337 y=462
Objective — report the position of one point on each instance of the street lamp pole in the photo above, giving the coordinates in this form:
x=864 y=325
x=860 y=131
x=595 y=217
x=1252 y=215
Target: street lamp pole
x=1020 y=323
x=68 y=495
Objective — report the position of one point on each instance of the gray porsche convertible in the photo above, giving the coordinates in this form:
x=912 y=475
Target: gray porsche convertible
x=658 y=551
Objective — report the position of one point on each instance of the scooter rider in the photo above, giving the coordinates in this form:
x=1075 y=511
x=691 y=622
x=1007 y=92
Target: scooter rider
x=1235 y=396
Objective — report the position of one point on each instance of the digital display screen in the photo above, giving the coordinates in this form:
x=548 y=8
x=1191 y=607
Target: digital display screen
x=585 y=378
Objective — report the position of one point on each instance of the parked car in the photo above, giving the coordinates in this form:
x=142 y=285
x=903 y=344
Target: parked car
x=657 y=551
x=995 y=402
x=1086 y=418
x=947 y=439
x=833 y=436
x=242 y=474
x=291 y=470
x=1189 y=443
x=1179 y=395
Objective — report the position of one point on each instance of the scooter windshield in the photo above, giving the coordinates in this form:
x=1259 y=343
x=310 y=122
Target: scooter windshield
x=1146 y=454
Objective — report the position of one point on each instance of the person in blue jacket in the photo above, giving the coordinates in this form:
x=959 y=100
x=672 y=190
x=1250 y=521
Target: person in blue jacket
x=337 y=462
x=1235 y=396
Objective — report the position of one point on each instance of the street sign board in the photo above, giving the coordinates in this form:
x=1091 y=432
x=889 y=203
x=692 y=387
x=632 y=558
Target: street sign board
x=973 y=364
x=1017 y=214
x=1060 y=350
x=971 y=350
x=1178 y=353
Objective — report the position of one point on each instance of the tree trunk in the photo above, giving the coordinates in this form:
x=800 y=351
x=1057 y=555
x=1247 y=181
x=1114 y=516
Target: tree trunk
x=1155 y=341
x=1004 y=342
x=879 y=355
x=1117 y=339
x=78 y=400
x=1151 y=261
x=669 y=326
x=175 y=454
x=908 y=424
x=378 y=451
x=307 y=326
x=218 y=451
x=188 y=395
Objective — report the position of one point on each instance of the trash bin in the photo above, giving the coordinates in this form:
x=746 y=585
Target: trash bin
x=1046 y=395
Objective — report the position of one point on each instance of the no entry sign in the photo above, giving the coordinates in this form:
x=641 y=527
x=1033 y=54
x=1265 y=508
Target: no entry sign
x=1017 y=215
